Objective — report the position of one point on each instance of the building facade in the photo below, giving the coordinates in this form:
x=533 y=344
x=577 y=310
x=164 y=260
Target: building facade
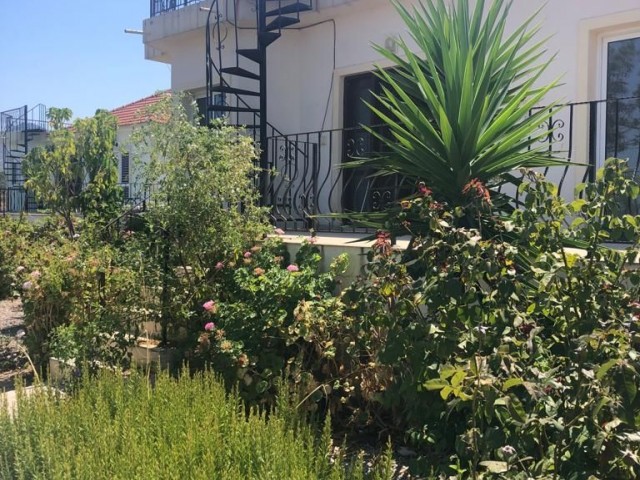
x=296 y=72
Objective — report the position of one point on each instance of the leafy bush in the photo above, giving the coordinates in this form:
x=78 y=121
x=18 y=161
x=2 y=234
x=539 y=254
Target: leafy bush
x=256 y=328
x=526 y=353
x=459 y=107
x=77 y=170
x=80 y=302
x=13 y=242
x=174 y=428
x=204 y=205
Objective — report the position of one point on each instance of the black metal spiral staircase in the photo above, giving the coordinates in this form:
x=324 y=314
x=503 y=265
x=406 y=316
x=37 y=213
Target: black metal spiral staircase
x=17 y=128
x=242 y=96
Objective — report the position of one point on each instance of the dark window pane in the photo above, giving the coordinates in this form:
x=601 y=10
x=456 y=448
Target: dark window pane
x=623 y=108
x=124 y=168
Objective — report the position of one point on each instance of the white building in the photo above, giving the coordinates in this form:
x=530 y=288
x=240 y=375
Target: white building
x=22 y=129
x=318 y=69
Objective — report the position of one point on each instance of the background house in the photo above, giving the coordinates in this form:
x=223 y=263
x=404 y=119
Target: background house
x=301 y=68
x=24 y=128
x=129 y=116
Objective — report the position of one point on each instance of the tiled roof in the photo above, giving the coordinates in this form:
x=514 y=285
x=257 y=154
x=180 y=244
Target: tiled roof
x=133 y=113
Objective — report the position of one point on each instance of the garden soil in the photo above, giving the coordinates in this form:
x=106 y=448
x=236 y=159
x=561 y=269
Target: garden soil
x=13 y=363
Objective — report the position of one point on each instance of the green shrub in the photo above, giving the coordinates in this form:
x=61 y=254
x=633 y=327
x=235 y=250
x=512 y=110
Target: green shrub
x=204 y=206
x=509 y=354
x=80 y=302
x=254 y=326
x=114 y=427
x=12 y=241
x=77 y=170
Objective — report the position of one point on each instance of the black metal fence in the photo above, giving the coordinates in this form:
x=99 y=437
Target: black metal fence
x=16 y=199
x=158 y=7
x=308 y=180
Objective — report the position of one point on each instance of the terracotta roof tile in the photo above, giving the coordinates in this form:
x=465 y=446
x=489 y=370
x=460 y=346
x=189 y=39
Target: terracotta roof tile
x=133 y=113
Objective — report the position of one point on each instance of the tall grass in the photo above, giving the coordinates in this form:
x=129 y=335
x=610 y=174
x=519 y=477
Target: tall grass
x=185 y=428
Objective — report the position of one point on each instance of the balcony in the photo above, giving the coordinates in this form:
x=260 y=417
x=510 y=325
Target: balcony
x=308 y=184
x=158 y=7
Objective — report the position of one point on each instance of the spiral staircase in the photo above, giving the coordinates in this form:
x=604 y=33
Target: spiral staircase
x=237 y=84
x=18 y=127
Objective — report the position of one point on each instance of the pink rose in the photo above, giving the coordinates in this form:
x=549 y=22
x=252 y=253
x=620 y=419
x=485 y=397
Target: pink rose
x=27 y=285
x=210 y=326
x=36 y=274
x=219 y=266
x=210 y=306
x=247 y=254
x=293 y=268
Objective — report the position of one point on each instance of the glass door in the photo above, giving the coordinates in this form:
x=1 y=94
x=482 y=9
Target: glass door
x=622 y=92
x=361 y=191
x=620 y=121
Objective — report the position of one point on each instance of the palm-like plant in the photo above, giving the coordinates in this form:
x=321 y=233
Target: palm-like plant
x=460 y=109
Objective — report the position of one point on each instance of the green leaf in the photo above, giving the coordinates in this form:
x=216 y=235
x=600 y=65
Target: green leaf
x=516 y=409
x=445 y=392
x=510 y=383
x=605 y=367
x=435 y=384
x=458 y=378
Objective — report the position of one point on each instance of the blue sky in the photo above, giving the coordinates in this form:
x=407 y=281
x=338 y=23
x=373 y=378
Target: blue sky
x=75 y=54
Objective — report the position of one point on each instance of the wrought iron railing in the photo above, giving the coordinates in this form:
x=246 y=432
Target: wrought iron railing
x=16 y=199
x=158 y=7
x=308 y=182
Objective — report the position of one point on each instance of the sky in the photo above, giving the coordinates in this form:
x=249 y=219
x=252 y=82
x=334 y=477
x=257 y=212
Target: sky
x=75 y=54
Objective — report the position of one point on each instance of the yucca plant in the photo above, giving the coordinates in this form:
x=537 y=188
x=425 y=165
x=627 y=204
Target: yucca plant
x=459 y=107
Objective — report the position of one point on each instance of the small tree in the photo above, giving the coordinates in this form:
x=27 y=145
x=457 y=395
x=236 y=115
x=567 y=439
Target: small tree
x=204 y=207
x=77 y=170
x=101 y=198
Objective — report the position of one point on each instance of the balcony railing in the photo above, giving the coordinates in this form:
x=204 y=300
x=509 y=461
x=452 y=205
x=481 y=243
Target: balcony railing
x=158 y=7
x=17 y=200
x=308 y=182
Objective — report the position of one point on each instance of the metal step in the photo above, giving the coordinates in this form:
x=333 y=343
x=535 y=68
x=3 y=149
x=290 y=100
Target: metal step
x=281 y=22
x=289 y=9
x=240 y=72
x=251 y=53
x=267 y=38
x=234 y=91
x=225 y=108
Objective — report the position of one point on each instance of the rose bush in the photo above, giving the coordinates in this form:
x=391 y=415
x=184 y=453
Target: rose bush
x=257 y=328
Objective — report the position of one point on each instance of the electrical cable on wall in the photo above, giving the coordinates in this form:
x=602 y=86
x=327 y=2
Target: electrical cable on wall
x=335 y=34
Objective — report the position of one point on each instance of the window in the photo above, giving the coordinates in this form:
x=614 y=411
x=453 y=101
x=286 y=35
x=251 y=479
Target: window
x=621 y=88
x=201 y=103
x=124 y=168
